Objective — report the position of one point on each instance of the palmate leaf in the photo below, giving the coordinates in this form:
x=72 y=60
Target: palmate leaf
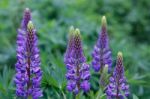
x=100 y=94
x=52 y=87
x=6 y=84
x=48 y=79
x=91 y=95
x=135 y=97
x=140 y=80
x=55 y=74
x=54 y=77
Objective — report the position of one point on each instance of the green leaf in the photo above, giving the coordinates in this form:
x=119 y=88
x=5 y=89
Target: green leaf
x=135 y=97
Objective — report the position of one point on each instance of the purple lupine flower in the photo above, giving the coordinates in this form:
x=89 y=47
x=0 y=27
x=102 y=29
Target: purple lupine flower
x=69 y=47
x=28 y=72
x=102 y=54
x=118 y=84
x=78 y=73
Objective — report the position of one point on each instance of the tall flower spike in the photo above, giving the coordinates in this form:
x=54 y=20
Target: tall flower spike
x=118 y=85
x=102 y=54
x=69 y=46
x=78 y=73
x=28 y=72
x=26 y=18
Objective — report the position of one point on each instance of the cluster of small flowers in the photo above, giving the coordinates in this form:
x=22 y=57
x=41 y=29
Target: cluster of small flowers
x=28 y=72
x=118 y=81
x=78 y=72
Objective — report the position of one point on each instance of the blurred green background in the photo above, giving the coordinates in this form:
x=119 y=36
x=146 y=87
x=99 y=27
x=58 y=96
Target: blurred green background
x=128 y=28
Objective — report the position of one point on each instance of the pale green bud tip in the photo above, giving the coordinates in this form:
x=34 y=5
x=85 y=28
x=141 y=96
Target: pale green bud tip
x=120 y=54
x=106 y=65
x=77 y=32
x=104 y=21
x=106 y=68
x=27 y=9
x=71 y=30
x=30 y=25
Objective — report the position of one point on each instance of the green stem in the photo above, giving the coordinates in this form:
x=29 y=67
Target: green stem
x=64 y=95
x=77 y=96
x=29 y=97
x=73 y=96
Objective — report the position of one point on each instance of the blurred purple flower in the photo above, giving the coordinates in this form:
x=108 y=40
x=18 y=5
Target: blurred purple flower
x=78 y=73
x=28 y=72
x=102 y=54
x=118 y=85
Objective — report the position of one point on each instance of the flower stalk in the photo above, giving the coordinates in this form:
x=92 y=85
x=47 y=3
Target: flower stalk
x=28 y=72
x=118 y=83
x=102 y=53
x=78 y=72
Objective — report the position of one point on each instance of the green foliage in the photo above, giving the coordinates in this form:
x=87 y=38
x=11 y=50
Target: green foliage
x=6 y=83
x=128 y=29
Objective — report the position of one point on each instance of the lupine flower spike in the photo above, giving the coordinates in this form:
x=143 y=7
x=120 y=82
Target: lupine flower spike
x=78 y=72
x=102 y=54
x=118 y=85
x=69 y=46
x=28 y=72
